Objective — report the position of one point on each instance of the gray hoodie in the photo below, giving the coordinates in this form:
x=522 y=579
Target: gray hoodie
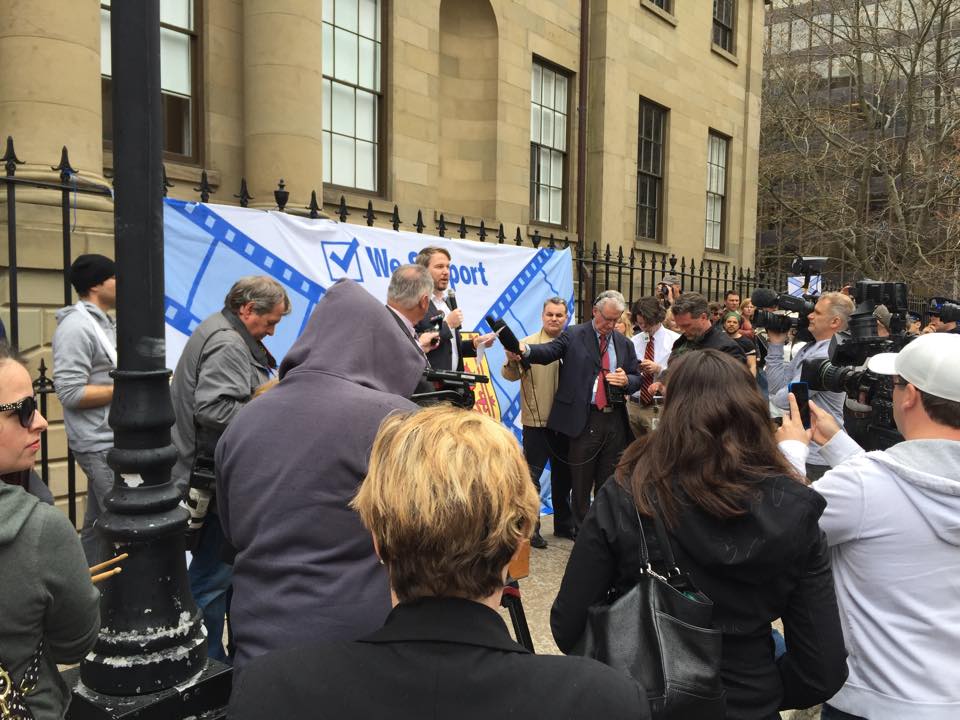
x=79 y=359
x=893 y=523
x=291 y=461
x=45 y=593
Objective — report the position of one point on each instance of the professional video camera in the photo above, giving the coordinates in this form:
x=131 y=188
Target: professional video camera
x=781 y=322
x=868 y=411
x=451 y=386
x=944 y=309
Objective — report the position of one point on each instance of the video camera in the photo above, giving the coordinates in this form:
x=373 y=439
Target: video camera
x=450 y=386
x=780 y=322
x=945 y=310
x=868 y=415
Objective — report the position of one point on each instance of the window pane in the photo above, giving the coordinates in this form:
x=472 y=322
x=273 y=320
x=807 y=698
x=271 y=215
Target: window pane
x=544 y=176
x=343 y=110
x=366 y=117
x=327 y=11
x=556 y=169
x=547 y=127
x=343 y=161
x=376 y=70
x=560 y=96
x=345 y=56
x=534 y=123
x=537 y=83
x=326 y=104
x=326 y=157
x=345 y=14
x=368 y=60
x=543 y=211
x=105 y=61
x=175 y=62
x=177 y=12
x=366 y=165
x=560 y=132
x=369 y=11
x=328 y=49
x=556 y=206
x=548 y=81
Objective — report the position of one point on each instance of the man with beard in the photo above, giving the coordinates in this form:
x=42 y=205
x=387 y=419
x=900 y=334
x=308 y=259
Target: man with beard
x=691 y=314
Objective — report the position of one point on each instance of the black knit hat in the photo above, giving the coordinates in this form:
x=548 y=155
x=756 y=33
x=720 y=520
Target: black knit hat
x=89 y=271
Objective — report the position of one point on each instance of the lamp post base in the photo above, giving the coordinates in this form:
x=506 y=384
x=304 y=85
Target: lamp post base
x=203 y=696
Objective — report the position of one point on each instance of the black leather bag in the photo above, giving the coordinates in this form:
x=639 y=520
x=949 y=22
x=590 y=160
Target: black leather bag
x=661 y=633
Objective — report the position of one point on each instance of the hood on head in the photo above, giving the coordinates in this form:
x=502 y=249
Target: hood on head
x=352 y=335
x=16 y=507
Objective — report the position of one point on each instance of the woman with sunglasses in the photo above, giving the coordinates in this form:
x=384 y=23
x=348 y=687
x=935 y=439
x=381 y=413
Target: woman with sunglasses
x=49 y=609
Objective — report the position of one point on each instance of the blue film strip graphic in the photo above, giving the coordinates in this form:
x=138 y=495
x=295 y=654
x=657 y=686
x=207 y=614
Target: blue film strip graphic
x=229 y=236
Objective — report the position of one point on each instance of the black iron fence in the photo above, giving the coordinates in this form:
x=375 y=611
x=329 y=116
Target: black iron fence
x=596 y=268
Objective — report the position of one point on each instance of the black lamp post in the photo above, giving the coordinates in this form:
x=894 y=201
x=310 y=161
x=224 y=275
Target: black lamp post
x=150 y=657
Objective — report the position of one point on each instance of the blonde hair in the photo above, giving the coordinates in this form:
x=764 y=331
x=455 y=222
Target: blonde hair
x=627 y=323
x=448 y=499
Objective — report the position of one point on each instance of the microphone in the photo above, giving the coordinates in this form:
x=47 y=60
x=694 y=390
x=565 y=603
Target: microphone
x=764 y=297
x=451 y=299
x=503 y=331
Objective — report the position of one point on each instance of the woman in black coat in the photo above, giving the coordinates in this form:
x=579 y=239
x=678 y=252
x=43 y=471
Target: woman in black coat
x=742 y=526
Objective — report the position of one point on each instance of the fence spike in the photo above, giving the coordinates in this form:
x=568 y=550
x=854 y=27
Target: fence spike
x=619 y=254
x=683 y=265
x=65 y=168
x=281 y=195
x=368 y=214
x=342 y=211
x=395 y=218
x=204 y=188
x=633 y=257
x=483 y=231
x=594 y=254
x=500 y=236
x=419 y=223
x=244 y=194
x=314 y=207
x=552 y=242
x=10 y=159
x=441 y=227
x=462 y=230
x=606 y=254
x=518 y=238
x=566 y=242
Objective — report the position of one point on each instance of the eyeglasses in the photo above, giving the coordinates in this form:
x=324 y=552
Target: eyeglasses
x=24 y=408
x=899 y=381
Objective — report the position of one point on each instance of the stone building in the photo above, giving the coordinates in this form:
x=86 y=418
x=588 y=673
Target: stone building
x=635 y=125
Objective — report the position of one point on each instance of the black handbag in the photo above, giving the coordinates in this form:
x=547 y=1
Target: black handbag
x=661 y=633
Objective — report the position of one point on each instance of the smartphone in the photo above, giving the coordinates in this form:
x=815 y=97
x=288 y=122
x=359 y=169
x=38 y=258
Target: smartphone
x=801 y=391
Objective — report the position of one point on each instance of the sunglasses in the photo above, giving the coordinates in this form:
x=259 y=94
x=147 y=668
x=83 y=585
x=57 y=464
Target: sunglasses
x=25 y=410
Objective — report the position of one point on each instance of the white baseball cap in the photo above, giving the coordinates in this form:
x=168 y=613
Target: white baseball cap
x=929 y=363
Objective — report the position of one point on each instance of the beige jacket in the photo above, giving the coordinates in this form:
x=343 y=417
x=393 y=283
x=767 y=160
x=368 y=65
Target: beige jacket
x=538 y=384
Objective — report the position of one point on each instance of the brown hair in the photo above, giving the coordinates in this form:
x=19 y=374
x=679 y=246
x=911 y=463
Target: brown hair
x=650 y=309
x=713 y=443
x=423 y=257
x=943 y=411
x=448 y=499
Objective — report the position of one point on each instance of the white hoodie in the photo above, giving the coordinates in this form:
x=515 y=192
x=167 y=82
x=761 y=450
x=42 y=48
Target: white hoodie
x=893 y=524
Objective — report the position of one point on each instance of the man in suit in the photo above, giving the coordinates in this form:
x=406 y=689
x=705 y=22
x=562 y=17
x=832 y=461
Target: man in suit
x=452 y=349
x=408 y=297
x=598 y=371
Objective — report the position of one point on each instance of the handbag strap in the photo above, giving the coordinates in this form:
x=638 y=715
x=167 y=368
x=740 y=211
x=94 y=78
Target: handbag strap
x=13 y=705
x=674 y=575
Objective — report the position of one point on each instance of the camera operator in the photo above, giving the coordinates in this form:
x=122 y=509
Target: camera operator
x=599 y=369
x=829 y=317
x=669 y=290
x=943 y=314
x=538 y=385
x=223 y=363
x=892 y=523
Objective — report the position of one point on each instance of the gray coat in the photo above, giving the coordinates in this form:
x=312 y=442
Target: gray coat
x=232 y=365
x=45 y=593
x=79 y=359
x=290 y=463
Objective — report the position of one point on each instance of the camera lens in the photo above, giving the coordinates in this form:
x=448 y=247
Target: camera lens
x=950 y=312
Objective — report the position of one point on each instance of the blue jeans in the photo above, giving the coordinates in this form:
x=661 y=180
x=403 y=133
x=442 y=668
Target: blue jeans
x=831 y=713
x=210 y=584
x=99 y=484
x=779 y=644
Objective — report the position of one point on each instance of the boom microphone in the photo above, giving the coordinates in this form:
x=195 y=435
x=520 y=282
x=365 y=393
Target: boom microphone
x=451 y=299
x=764 y=297
x=505 y=334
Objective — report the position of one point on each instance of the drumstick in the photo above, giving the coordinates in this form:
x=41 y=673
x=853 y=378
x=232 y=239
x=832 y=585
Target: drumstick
x=97 y=568
x=103 y=576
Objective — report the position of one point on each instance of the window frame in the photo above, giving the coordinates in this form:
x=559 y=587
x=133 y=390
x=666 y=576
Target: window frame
x=380 y=110
x=719 y=25
x=665 y=5
x=660 y=179
x=197 y=136
x=722 y=239
x=534 y=147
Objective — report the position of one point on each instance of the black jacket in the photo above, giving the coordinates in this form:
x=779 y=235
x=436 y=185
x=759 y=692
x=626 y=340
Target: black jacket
x=441 y=356
x=578 y=350
x=714 y=338
x=434 y=658
x=769 y=563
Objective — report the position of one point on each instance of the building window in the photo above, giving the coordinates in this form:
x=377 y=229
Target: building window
x=666 y=5
x=548 y=144
x=724 y=12
x=179 y=77
x=653 y=119
x=717 y=148
x=352 y=96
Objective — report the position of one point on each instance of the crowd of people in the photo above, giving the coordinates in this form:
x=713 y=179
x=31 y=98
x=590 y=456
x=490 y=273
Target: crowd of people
x=352 y=546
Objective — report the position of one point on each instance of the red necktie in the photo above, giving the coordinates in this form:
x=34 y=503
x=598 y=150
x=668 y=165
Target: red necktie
x=601 y=401
x=646 y=379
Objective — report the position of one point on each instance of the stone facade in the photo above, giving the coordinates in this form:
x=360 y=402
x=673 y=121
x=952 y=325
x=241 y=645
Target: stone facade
x=455 y=122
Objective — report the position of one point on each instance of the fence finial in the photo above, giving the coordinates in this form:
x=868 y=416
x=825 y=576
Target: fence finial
x=441 y=227
x=342 y=211
x=244 y=194
x=518 y=239
x=281 y=195
x=204 y=188
x=462 y=229
x=673 y=263
x=395 y=218
x=483 y=231
x=419 y=224
x=535 y=240
x=164 y=180
x=368 y=214
x=314 y=207
x=500 y=236
x=10 y=159
x=66 y=170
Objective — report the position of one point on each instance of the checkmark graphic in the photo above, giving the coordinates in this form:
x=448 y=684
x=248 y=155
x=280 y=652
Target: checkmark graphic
x=343 y=260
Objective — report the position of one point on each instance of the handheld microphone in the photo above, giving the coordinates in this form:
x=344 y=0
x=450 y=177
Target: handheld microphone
x=503 y=331
x=451 y=299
